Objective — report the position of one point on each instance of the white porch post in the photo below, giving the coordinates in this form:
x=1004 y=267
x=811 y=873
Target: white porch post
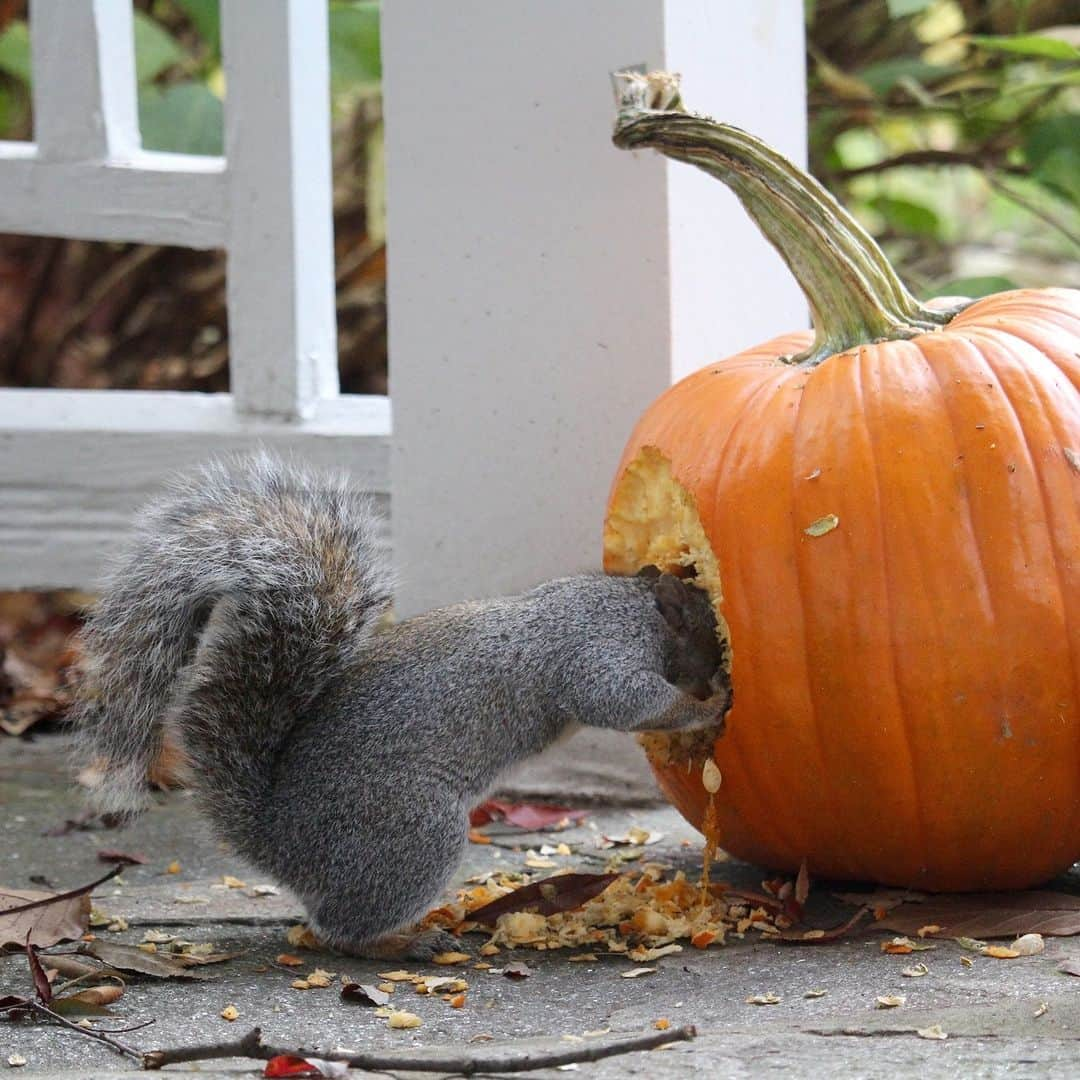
x=544 y=287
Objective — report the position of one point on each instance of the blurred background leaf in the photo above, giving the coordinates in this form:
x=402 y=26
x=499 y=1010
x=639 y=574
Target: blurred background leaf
x=950 y=127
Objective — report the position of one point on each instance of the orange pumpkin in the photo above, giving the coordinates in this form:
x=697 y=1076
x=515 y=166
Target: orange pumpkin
x=889 y=524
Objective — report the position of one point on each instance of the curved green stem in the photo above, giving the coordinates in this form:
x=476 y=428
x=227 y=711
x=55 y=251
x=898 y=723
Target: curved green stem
x=854 y=294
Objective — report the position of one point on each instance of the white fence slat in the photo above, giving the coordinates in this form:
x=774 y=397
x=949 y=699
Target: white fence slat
x=83 y=57
x=283 y=349
x=153 y=198
x=75 y=464
x=544 y=286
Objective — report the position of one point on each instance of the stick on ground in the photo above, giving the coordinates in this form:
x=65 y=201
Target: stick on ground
x=461 y=1063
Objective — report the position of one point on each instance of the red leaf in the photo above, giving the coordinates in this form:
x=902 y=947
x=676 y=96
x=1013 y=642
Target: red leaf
x=563 y=892
x=530 y=816
x=37 y=972
x=289 y=1065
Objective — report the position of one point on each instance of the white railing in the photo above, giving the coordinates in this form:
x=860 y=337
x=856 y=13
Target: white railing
x=542 y=288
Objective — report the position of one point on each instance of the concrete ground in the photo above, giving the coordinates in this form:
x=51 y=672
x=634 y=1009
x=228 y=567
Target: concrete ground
x=1015 y=1018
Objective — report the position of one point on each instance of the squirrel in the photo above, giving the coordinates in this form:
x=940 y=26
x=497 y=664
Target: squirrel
x=247 y=618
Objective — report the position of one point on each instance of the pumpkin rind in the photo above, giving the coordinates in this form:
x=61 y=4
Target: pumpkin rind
x=906 y=684
x=890 y=521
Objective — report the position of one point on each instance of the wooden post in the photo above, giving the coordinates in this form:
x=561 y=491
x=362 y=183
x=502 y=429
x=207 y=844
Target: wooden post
x=83 y=58
x=544 y=287
x=282 y=329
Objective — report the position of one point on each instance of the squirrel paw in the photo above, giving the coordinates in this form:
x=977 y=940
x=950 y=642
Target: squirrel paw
x=420 y=945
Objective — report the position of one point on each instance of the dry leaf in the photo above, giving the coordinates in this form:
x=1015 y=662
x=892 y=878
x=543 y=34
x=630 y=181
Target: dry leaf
x=290 y=960
x=916 y=971
x=517 y=971
x=1041 y=1010
x=363 y=994
x=46 y=925
x=890 y=1001
x=999 y=952
x=16 y=1060
x=230 y=1013
x=763 y=999
x=159 y=965
x=399 y=976
x=637 y=972
x=991 y=915
x=94 y=996
x=403 y=1020
x=815 y=993
x=562 y=892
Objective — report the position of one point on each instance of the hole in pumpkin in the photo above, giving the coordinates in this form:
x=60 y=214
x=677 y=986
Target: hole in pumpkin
x=652 y=521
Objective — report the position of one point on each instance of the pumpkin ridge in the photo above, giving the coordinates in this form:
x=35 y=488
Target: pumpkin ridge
x=835 y=811
x=1048 y=512
x=776 y=836
x=1015 y=334
x=865 y=355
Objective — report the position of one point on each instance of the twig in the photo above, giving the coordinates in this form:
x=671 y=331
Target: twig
x=252 y=1046
x=935 y=157
x=1032 y=208
x=57 y=897
x=90 y=1033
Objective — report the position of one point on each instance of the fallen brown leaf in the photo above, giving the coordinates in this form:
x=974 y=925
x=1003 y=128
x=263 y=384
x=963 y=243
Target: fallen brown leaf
x=990 y=915
x=159 y=965
x=563 y=892
x=43 y=924
x=94 y=999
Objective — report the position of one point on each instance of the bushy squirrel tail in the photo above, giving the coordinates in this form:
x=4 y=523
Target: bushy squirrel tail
x=244 y=591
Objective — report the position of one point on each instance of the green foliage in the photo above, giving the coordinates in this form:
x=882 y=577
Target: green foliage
x=185 y=118
x=355 y=58
x=178 y=70
x=958 y=147
x=156 y=50
x=15 y=51
x=206 y=21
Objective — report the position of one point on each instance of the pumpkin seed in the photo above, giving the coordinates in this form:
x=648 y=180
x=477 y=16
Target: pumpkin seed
x=822 y=526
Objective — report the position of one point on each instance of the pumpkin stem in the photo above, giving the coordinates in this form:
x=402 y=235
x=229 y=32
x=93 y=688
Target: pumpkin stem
x=855 y=295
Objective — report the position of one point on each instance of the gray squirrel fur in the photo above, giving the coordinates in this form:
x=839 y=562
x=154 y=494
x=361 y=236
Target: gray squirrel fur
x=339 y=757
